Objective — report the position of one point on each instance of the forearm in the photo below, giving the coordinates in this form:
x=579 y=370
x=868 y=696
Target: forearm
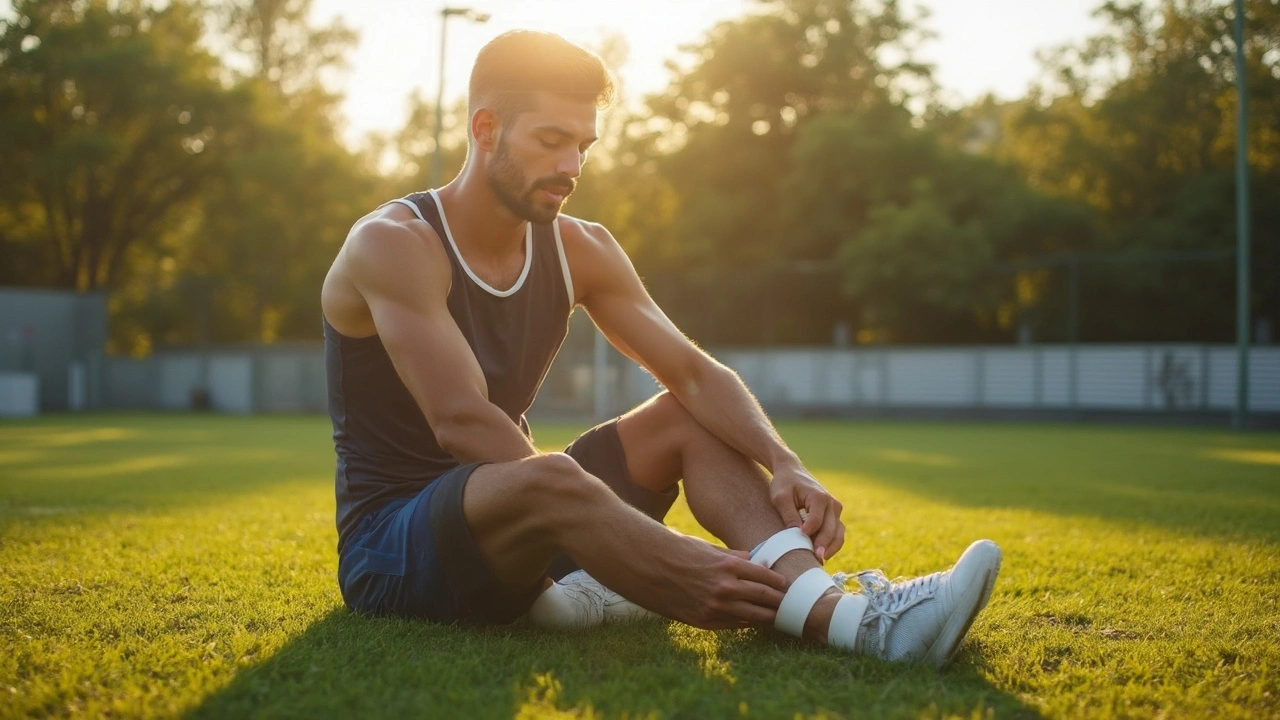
x=719 y=400
x=484 y=434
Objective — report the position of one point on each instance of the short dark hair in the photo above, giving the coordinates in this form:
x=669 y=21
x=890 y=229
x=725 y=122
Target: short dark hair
x=517 y=64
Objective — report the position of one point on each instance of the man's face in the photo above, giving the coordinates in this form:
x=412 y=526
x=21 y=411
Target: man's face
x=539 y=156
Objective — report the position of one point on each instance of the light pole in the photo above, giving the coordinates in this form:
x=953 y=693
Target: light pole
x=1242 y=225
x=445 y=13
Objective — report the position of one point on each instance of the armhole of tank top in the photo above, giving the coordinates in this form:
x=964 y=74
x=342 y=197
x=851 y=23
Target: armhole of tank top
x=418 y=211
x=564 y=264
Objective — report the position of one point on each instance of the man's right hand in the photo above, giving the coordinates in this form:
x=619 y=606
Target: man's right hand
x=714 y=588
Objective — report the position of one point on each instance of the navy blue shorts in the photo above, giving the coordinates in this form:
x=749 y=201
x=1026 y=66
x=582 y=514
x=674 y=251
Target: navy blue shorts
x=415 y=557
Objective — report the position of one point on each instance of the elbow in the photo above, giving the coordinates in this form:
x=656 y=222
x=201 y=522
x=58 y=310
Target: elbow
x=698 y=373
x=455 y=430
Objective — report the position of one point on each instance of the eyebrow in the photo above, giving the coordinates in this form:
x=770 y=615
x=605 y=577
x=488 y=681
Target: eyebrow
x=562 y=132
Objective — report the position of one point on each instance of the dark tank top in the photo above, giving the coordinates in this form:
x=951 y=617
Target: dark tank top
x=385 y=447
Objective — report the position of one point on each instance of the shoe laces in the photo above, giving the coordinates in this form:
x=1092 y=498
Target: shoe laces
x=886 y=600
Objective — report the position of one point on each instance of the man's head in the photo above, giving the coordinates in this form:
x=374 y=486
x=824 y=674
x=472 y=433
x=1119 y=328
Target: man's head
x=533 y=101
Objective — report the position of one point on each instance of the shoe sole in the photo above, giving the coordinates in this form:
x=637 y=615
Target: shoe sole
x=944 y=649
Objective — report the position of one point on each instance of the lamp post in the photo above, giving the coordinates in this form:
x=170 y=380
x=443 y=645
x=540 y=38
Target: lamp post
x=1242 y=225
x=445 y=14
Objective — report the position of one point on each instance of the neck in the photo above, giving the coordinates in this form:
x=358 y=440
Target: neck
x=478 y=219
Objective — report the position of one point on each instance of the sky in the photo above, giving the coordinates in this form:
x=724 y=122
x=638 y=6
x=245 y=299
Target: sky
x=980 y=46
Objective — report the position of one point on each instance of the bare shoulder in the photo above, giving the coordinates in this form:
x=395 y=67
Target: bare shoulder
x=391 y=240
x=583 y=236
x=596 y=261
x=387 y=253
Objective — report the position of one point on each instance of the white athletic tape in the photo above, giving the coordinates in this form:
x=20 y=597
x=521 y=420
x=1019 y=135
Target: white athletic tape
x=800 y=599
x=779 y=544
x=845 y=621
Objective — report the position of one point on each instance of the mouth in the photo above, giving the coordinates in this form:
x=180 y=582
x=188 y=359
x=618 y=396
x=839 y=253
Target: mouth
x=556 y=195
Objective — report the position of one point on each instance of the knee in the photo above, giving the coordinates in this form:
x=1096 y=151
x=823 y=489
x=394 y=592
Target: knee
x=556 y=477
x=676 y=424
x=670 y=413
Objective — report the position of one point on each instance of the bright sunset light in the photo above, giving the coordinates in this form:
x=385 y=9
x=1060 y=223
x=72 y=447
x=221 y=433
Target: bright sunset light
x=980 y=45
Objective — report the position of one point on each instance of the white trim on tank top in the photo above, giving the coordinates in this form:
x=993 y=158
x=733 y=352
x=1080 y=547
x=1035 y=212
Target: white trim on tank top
x=564 y=265
x=418 y=212
x=528 y=254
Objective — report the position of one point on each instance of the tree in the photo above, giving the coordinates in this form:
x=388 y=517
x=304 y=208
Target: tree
x=720 y=141
x=113 y=122
x=926 y=237
x=1139 y=122
x=251 y=266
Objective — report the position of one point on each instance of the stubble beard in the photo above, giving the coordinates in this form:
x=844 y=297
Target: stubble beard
x=508 y=183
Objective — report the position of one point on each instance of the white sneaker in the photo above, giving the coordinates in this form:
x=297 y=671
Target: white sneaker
x=578 y=601
x=926 y=618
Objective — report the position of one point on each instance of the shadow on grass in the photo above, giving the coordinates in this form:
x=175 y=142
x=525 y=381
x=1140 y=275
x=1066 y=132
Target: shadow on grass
x=1206 y=482
x=349 y=666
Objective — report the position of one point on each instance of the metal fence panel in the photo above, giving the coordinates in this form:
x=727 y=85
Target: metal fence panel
x=1111 y=378
x=1153 y=378
x=932 y=378
x=1264 y=380
x=231 y=383
x=1008 y=378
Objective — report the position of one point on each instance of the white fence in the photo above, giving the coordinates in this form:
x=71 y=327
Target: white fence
x=284 y=378
x=1141 y=378
x=1156 y=378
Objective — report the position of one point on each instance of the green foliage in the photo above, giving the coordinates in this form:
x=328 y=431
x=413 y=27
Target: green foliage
x=918 y=228
x=113 y=124
x=721 y=138
x=162 y=565
x=814 y=185
x=795 y=178
x=1140 y=123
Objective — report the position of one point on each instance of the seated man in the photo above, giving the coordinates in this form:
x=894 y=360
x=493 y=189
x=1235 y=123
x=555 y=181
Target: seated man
x=443 y=311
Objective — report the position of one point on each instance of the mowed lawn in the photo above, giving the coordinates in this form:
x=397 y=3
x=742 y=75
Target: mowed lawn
x=184 y=565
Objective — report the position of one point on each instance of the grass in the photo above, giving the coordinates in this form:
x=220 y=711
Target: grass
x=177 y=565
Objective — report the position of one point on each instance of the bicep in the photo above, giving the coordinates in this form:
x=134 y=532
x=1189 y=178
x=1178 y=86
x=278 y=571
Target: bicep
x=406 y=291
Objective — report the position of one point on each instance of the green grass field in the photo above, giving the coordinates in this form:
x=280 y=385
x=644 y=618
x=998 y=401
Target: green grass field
x=177 y=565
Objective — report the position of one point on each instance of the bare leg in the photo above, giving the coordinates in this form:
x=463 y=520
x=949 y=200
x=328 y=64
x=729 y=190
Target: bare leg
x=727 y=492
x=522 y=514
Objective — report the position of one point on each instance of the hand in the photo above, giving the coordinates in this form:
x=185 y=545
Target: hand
x=718 y=589
x=804 y=503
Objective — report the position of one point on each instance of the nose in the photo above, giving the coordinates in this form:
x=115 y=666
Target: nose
x=570 y=164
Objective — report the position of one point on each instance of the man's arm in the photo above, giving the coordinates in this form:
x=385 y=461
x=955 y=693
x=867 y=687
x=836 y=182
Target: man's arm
x=618 y=303
x=404 y=277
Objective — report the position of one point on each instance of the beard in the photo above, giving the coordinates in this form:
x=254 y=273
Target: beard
x=524 y=199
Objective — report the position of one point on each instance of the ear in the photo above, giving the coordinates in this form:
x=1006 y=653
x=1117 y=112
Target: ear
x=485 y=127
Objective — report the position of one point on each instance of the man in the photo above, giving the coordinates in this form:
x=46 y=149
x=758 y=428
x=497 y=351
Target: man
x=443 y=312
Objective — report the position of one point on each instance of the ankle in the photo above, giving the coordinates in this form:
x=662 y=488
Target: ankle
x=796 y=563
x=817 y=625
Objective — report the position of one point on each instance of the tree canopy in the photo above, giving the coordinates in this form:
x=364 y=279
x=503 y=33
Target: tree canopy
x=796 y=182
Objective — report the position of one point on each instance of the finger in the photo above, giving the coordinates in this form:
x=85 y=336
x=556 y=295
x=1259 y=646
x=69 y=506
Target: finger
x=816 y=505
x=785 y=504
x=746 y=570
x=826 y=538
x=754 y=592
x=838 y=542
x=739 y=611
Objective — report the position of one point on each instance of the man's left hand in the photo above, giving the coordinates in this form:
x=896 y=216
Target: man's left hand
x=804 y=503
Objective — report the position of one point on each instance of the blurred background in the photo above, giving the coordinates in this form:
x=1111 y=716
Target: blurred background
x=864 y=207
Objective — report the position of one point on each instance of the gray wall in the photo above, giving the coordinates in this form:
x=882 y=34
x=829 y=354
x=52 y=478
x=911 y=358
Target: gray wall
x=46 y=331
